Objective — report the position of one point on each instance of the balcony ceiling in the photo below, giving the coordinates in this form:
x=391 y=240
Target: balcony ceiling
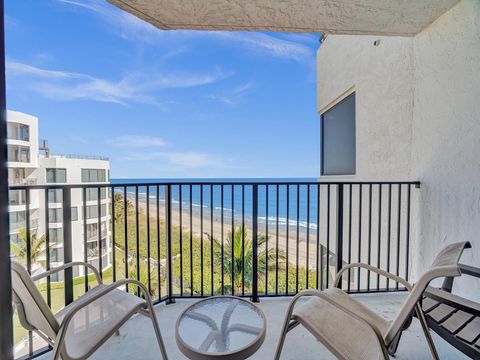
x=374 y=17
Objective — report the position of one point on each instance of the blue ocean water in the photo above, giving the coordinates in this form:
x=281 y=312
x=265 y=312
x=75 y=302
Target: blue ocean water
x=302 y=212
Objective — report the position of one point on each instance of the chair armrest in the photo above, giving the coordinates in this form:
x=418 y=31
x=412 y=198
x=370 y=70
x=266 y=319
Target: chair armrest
x=375 y=270
x=80 y=304
x=341 y=308
x=66 y=266
x=469 y=270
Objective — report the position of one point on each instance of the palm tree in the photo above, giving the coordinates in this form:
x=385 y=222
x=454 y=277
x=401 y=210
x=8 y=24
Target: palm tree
x=118 y=202
x=37 y=246
x=233 y=246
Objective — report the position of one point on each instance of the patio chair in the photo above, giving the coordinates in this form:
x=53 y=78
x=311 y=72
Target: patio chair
x=79 y=329
x=349 y=329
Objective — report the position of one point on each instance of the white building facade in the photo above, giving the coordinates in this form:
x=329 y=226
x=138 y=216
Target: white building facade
x=416 y=117
x=29 y=166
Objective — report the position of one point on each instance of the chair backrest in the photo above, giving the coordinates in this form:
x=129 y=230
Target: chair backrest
x=444 y=265
x=33 y=311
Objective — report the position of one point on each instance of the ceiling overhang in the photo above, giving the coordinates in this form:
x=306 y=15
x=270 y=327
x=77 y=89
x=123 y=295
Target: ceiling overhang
x=368 y=17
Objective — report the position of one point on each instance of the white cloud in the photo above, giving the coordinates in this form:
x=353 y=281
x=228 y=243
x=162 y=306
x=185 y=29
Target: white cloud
x=137 y=141
x=232 y=96
x=130 y=27
x=133 y=87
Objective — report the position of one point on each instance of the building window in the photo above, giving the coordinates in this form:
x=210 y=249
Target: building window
x=94 y=175
x=55 y=195
x=74 y=213
x=56 y=235
x=338 y=138
x=92 y=211
x=92 y=194
x=55 y=215
x=18 y=154
x=17 y=220
x=56 y=176
x=16 y=131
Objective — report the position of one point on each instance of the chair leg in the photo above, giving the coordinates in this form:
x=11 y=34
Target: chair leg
x=423 y=322
x=392 y=349
x=281 y=341
x=153 y=317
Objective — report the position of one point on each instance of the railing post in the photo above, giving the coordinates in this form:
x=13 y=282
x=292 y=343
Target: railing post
x=339 y=243
x=168 y=239
x=255 y=243
x=6 y=339
x=67 y=242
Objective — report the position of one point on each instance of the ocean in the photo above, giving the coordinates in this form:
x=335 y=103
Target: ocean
x=267 y=213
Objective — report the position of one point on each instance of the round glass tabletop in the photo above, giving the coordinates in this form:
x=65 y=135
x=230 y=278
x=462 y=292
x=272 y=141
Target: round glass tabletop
x=220 y=326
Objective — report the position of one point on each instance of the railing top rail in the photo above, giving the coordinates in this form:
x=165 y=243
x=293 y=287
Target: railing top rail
x=207 y=183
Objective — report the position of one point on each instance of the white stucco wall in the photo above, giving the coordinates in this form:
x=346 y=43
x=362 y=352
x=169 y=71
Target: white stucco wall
x=381 y=77
x=446 y=134
x=418 y=118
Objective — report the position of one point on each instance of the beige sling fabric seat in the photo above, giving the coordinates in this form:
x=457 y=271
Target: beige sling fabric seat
x=349 y=329
x=79 y=329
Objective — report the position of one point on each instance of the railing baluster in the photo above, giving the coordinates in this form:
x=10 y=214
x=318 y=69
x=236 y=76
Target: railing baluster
x=319 y=269
x=328 y=238
x=308 y=234
x=180 y=208
x=287 y=238
x=243 y=239
x=29 y=256
x=266 y=239
x=137 y=236
x=349 y=235
x=125 y=230
x=85 y=235
x=47 y=248
x=369 y=259
x=99 y=214
x=114 y=243
x=201 y=239
x=168 y=227
x=276 y=239
x=339 y=245
x=191 y=240
x=297 y=252
x=379 y=243
x=255 y=244
x=389 y=224
x=212 y=207
x=222 y=239
x=359 y=257
x=149 y=281
x=399 y=199
x=232 y=240
x=159 y=257
x=407 y=235
x=67 y=243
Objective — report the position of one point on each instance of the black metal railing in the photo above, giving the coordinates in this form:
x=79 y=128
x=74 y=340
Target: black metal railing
x=197 y=239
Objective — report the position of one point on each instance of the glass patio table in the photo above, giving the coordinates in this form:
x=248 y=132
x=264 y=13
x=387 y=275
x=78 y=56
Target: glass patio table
x=225 y=327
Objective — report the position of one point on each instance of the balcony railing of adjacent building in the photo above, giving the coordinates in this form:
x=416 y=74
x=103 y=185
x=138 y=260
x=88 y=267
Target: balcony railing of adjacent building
x=78 y=157
x=250 y=239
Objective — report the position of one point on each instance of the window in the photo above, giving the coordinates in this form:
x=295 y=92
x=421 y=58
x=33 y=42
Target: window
x=74 y=213
x=55 y=196
x=92 y=230
x=92 y=211
x=18 y=154
x=16 y=131
x=338 y=138
x=56 y=255
x=17 y=220
x=55 y=215
x=92 y=194
x=94 y=175
x=56 y=176
x=56 y=235
x=16 y=197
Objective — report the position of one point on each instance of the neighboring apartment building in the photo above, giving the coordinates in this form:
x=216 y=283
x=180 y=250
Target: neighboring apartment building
x=28 y=166
x=407 y=108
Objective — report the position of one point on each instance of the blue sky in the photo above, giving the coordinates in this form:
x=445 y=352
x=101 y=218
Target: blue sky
x=163 y=104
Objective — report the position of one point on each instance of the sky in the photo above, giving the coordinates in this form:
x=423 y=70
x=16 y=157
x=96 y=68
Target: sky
x=164 y=104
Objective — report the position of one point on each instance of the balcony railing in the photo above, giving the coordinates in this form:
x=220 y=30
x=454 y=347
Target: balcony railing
x=250 y=239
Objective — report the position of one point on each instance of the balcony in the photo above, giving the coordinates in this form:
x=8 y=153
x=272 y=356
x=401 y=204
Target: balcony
x=177 y=238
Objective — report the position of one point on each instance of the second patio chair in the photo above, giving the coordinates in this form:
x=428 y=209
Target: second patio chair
x=79 y=329
x=349 y=329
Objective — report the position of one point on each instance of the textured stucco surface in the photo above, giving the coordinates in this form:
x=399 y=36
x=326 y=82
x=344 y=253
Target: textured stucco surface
x=418 y=118
x=381 y=77
x=385 y=17
x=446 y=134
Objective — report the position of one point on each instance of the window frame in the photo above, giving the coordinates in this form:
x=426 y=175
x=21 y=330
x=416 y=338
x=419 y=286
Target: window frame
x=339 y=101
